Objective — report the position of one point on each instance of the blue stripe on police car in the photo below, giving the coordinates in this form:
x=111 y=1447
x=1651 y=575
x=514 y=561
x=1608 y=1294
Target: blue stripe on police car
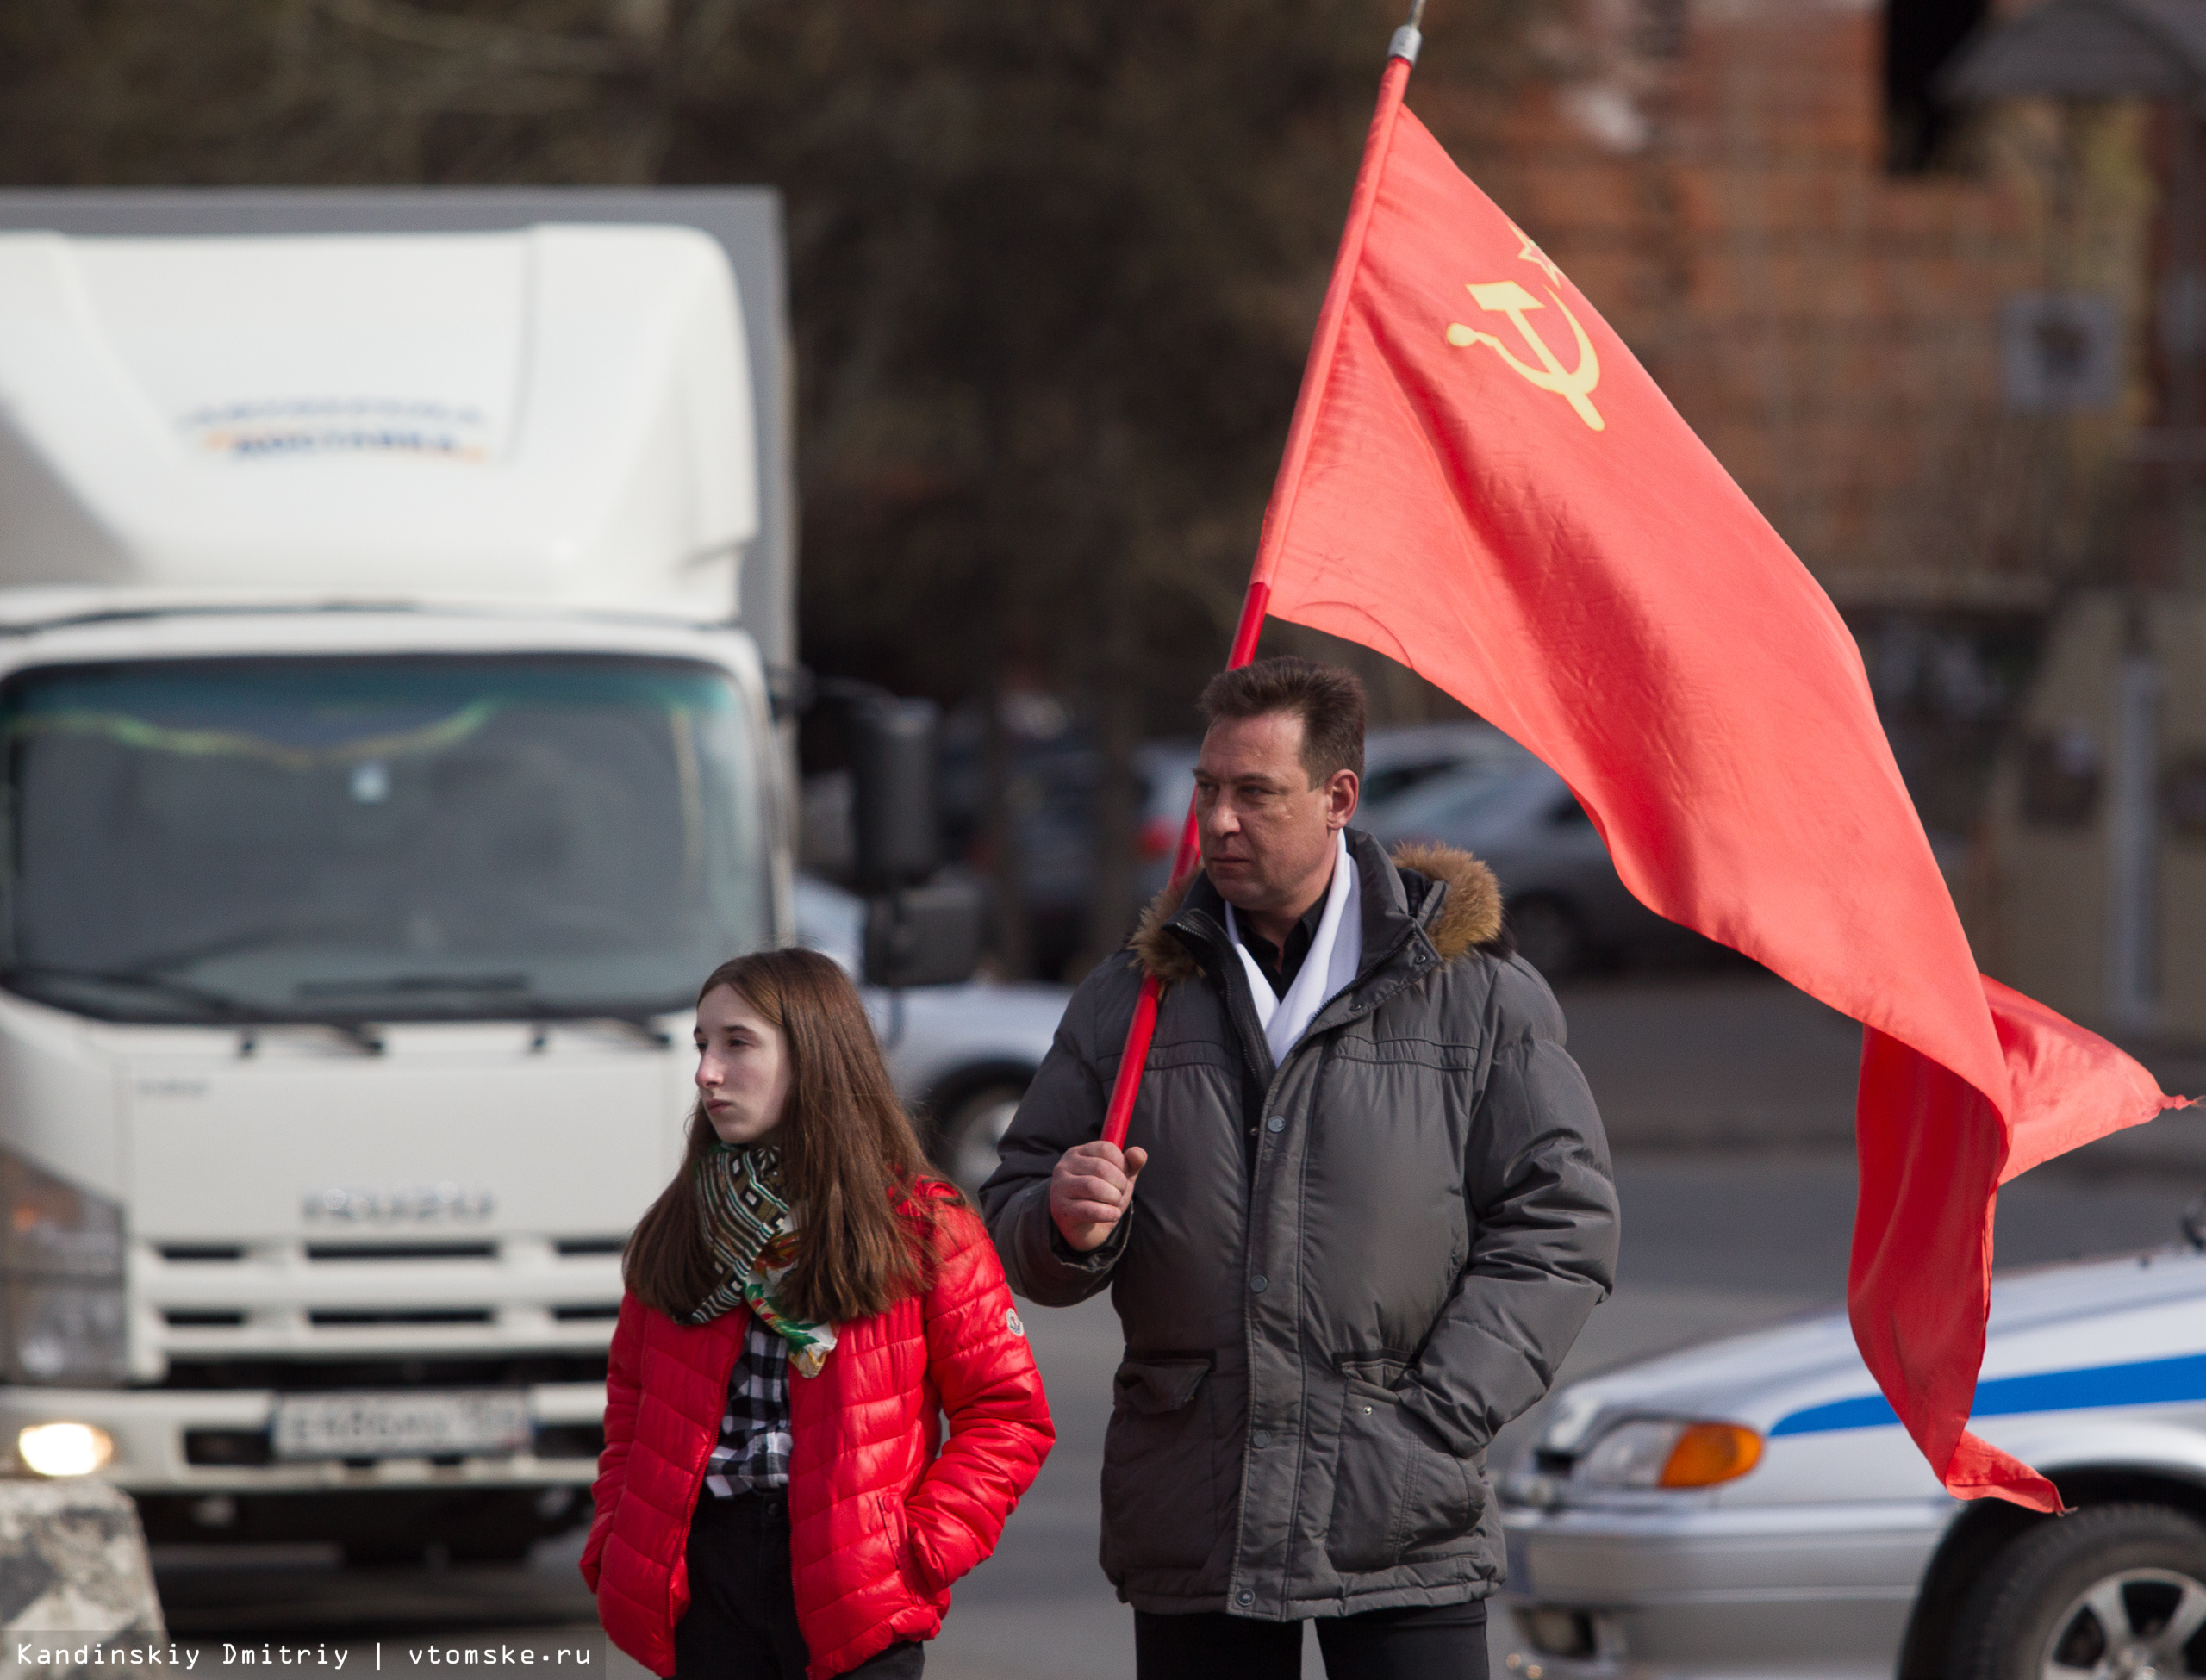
x=2145 y=1382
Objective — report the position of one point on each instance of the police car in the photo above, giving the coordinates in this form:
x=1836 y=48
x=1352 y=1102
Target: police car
x=1753 y=1507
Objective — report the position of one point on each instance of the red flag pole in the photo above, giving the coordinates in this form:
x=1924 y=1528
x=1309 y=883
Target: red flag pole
x=1401 y=53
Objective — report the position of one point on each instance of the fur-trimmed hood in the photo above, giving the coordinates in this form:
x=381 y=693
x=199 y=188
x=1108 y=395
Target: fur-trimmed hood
x=1469 y=917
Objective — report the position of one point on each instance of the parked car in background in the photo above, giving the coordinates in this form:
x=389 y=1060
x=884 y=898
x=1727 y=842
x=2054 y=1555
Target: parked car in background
x=1168 y=778
x=1753 y=1507
x=961 y=1056
x=1052 y=779
x=1054 y=782
x=1566 y=904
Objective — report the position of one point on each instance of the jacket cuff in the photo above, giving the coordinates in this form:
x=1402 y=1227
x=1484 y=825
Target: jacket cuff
x=1044 y=1266
x=1102 y=1257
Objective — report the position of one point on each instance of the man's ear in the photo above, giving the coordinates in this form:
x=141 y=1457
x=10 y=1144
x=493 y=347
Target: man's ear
x=1343 y=790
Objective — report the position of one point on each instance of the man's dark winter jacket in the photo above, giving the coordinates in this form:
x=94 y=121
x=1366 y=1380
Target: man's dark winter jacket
x=1319 y=1346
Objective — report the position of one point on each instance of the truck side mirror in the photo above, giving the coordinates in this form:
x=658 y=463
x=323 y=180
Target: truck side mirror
x=896 y=829
x=915 y=934
x=924 y=935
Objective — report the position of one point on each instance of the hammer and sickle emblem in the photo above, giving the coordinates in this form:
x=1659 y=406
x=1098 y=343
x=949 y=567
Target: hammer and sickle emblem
x=1506 y=297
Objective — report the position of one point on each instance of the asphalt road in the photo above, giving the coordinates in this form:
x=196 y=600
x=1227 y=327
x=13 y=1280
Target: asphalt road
x=1730 y=1103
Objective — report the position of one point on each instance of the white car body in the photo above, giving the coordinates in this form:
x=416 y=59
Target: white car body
x=961 y=1056
x=1838 y=1553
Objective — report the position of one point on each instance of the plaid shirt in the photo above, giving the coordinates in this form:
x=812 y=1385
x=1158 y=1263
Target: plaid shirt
x=753 y=1453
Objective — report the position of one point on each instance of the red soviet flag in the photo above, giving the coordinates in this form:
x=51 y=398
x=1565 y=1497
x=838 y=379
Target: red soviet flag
x=1481 y=482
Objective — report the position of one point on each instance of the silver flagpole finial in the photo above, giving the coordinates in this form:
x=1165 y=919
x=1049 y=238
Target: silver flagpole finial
x=1409 y=38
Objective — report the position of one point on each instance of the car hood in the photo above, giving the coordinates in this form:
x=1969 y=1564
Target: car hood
x=2119 y=1333
x=949 y=1028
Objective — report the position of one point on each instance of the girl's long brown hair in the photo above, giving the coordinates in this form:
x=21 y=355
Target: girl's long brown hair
x=849 y=1157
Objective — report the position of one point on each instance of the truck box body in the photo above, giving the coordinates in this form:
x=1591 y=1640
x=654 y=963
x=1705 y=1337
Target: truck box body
x=556 y=416
x=385 y=762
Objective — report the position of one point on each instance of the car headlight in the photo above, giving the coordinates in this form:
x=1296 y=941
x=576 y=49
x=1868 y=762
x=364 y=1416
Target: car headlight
x=61 y=1307
x=1670 y=1452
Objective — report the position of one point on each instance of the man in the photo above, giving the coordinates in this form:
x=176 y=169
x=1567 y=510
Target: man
x=1363 y=1210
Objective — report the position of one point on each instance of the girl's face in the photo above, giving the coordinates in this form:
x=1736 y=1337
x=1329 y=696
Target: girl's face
x=742 y=1067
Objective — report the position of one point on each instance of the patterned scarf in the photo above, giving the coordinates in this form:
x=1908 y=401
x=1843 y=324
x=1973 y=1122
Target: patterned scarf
x=752 y=1235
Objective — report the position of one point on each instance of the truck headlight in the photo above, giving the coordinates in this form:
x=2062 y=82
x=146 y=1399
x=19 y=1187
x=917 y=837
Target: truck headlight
x=65 y=1449
x=61 y=1307
x=1670 y=1452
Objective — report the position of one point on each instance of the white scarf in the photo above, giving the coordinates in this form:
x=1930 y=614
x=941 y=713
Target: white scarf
x=1336 y=952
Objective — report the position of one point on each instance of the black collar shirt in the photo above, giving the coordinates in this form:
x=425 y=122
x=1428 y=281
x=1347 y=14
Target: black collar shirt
x=1278 y=964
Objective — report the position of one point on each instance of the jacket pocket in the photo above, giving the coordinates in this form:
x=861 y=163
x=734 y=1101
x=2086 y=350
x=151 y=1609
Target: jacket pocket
x=1379 y=1370
x=1397 y=1497
x=1159 y=1466
x=896 y=1530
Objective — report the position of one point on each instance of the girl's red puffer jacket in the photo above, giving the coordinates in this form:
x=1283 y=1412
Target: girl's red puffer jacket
x=879 y=1524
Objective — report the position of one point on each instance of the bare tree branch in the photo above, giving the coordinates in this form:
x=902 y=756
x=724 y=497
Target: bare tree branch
x=495 y=45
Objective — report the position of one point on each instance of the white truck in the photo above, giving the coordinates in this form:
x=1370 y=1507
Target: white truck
x=383 y=759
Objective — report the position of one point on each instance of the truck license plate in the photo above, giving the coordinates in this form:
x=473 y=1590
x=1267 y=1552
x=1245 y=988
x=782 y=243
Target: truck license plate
x=404 y=1425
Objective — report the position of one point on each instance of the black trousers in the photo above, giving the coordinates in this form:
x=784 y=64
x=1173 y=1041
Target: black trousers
x=1446 y=1643
x=741 y=1623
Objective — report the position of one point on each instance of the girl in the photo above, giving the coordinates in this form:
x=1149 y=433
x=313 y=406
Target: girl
x=773 y=1499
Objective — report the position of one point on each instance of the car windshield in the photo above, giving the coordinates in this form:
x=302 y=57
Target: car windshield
x=377 y=838
x=1448 y=803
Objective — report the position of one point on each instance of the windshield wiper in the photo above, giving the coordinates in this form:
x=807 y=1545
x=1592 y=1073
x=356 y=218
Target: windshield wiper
x=244 y=941
x=221 y=1005
x=635 y=1022
x=640 y=1026
x=414 y=985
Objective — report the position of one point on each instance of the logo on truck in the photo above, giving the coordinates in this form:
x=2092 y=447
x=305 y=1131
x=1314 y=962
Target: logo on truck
x=409 y=1202
x=340 y=426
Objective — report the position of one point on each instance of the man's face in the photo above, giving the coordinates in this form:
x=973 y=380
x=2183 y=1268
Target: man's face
x=1267 y=834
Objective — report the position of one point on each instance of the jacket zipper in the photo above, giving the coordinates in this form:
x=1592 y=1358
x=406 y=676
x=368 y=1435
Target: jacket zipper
x=1241 y=1009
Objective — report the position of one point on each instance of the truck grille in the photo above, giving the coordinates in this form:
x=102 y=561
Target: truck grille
x=228 y=1446
x=302 y=1376
x=338 y=1318
x=224 y=1447
x=336 y=1303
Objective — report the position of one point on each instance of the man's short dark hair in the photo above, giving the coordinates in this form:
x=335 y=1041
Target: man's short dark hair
x=1328 y=698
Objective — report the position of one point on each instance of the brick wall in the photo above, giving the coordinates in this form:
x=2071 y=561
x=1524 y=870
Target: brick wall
x=1829 y=330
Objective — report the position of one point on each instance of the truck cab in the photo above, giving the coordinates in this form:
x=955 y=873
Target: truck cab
x=387 y=758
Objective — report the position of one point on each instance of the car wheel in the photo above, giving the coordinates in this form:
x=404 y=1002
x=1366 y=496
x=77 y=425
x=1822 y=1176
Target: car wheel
x=2114 y=1590
x=971 y=1134
x=1547 y=937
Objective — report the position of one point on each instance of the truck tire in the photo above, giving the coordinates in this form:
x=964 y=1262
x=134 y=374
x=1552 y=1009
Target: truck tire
x=966 y=1142
x=487 y=1546
x=2113 y=1589
x=504 y=1527
x=384 y=1552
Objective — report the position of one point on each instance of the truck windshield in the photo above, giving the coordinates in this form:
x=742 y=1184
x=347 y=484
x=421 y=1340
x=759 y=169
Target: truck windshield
x=377 y=839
